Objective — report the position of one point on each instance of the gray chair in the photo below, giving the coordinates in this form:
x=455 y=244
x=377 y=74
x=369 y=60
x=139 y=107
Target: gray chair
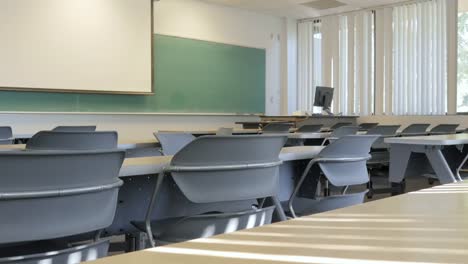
x=309 y=129
x=384 y=132
x=172 y=142
x=380 y=154
x=367 y=126
x=53 y=196
x=415 y=130
x=340 y=124
x=444 y=129
x=217 y=169
x=52 y=140
x=340 y=132
x=6 y=136
x=277 y=128
x=75 y=129
x=343 y=164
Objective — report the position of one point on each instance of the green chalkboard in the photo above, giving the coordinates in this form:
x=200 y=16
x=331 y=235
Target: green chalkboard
x=190 y=76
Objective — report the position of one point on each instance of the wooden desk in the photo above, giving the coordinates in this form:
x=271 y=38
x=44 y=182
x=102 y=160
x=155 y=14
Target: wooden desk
x=429 y=226
x=441 y=152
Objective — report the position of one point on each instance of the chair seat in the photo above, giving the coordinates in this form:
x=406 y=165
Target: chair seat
x=179 y=229
x=306 y=206
x=51 y=252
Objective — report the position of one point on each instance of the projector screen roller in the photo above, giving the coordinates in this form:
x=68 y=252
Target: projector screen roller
x=76 y=45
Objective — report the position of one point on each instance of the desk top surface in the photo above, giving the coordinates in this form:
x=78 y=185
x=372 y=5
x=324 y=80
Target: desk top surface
x=123 y=146
x=429 y=226
x=454 y=139
x=154 y=165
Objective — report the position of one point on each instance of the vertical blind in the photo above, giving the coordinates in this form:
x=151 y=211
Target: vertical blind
x=420 y=58
x=389 y=61
x=338 y=51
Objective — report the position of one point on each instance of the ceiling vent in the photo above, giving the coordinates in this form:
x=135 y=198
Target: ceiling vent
x=323 y=4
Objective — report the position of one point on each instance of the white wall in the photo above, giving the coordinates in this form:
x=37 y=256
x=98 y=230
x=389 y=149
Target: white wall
x=198 y=20
x=217 y=23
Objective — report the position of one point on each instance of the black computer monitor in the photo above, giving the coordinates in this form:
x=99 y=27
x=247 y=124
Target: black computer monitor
x=323 y=97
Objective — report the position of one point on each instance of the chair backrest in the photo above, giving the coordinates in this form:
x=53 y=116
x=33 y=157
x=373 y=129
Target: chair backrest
x=51 y=194
x=415 y=129
x=341 y=124
x=228 y=168
x=367 y=126
x=75 y=129
x=444 y=129
x=6 y=135
x=309 y=129
x=52 y=140
x=383 y=132
x=224 y=131
x=344 y=131
x=275 y=128
x=172 y=142
x=344 y=160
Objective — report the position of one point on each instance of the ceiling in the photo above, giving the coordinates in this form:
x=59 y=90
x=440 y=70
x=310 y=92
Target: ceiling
x=296 y=9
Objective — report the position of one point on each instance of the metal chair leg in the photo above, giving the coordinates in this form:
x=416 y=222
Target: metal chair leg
x=149 y=212
x=461 y=167
x=298 y=186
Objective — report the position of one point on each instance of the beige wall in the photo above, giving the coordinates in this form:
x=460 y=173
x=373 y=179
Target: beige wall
x=191 y=19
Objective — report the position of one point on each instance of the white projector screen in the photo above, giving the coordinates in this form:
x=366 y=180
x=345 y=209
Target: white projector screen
x=76 y=45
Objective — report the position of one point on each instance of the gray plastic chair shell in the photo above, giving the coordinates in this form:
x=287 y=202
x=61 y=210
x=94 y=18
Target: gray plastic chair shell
x=341 y=132
x=309 y=129
x=75 y=129
x=53 y=194
x=214 y=169
x=52 y=140
x=173 y=142
x=415 y=129
x=343 y=163
x=444 y=129
x=6 y=135
x=340 y=124
x=367 y=126
x=384 y=132
x=230 y=173
x=275 y=128
x=344 y=131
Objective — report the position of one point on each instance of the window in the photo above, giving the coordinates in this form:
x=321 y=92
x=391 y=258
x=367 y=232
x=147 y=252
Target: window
x=338 y=51
x=462 y=77
x=420 y=58
x=394 y=60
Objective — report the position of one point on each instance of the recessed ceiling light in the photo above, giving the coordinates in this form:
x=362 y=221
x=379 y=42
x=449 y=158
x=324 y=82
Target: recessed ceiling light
x=323 y=4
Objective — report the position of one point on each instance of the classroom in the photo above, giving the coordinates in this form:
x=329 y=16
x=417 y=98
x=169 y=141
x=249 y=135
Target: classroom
x=233 y=131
